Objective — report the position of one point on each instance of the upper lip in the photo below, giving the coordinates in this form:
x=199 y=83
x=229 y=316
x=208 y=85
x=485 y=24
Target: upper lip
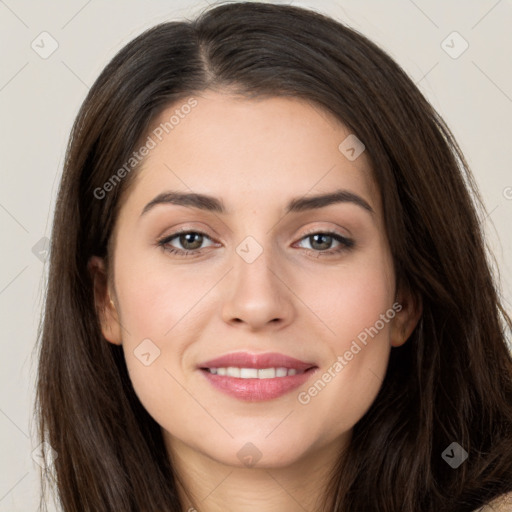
x=247 y=360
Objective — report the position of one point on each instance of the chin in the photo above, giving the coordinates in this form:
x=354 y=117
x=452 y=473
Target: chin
x=257 y=452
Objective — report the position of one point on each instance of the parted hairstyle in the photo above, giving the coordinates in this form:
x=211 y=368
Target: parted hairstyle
x=450 y=382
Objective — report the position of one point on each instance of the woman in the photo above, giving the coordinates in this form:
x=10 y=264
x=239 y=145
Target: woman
x=268 y=285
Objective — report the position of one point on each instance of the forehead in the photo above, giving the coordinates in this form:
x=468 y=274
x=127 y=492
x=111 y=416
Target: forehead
x=250 y=150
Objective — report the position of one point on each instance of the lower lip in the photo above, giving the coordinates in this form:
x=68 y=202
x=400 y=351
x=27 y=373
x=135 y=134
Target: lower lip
x=254 y=390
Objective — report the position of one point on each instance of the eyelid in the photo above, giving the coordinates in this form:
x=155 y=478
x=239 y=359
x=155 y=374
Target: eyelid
x=317 y=229
x=196 y=227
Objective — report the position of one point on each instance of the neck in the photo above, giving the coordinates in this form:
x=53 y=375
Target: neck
x=207 y=485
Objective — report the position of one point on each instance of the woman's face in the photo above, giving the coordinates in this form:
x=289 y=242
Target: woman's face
x=313 y=283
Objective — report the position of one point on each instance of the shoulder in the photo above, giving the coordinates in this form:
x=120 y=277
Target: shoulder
x=501 y=504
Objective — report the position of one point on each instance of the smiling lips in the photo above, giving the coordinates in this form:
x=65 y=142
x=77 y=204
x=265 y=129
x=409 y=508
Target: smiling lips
x=256 y=377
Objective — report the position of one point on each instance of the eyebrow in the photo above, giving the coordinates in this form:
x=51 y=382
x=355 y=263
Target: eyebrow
x=212 y=204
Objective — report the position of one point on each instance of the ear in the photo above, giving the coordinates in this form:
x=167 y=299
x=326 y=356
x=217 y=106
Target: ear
x=105 y=308
x=408 y=309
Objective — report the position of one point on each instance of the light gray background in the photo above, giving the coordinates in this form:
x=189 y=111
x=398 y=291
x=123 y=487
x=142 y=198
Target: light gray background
x=40 y=97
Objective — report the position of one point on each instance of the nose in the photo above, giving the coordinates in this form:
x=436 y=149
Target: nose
x=256 y=294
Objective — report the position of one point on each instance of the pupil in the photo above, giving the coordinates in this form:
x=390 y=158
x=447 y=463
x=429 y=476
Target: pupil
x=188 y=238
x=320 y=236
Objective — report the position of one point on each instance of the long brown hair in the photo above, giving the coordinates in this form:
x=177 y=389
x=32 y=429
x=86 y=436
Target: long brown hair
x=452 y=380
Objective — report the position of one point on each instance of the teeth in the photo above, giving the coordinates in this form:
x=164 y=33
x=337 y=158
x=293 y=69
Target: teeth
x=254 y=373
x=267 y=373
x=232 y=371
x=249 y=373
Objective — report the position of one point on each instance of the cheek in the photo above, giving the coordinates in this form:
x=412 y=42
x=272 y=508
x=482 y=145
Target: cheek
x=163 y=309
x=362 y=297
x=351 y=298
x=156 y=295
x=356 y=311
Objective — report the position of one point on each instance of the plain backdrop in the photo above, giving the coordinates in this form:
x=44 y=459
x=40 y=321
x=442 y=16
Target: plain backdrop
x=466 y=76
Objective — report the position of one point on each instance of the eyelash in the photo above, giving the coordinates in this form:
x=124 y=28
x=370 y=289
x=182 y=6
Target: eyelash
x=345 y=243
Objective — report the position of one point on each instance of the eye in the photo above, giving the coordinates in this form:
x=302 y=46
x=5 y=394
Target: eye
x=190 y=241
x=321 y=242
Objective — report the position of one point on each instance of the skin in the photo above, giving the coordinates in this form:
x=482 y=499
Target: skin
x=255 y=155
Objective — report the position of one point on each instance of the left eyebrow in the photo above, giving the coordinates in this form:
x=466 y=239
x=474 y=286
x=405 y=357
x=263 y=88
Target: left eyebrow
x=320 y=201
x=212 y=204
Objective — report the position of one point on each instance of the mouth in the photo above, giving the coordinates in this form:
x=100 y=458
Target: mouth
x=256 y=373
x=256 y=377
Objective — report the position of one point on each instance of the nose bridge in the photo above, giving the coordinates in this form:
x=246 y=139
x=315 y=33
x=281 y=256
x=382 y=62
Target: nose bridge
x=254 y=264
x=256 y=294
x=255 y=248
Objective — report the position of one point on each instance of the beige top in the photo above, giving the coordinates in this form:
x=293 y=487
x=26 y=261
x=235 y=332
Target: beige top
x=501 y=504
